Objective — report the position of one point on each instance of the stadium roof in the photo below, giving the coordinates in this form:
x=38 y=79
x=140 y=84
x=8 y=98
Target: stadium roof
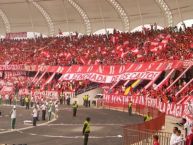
x=85 y=16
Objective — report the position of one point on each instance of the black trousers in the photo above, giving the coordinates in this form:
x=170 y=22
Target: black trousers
x=130 y=111
x=34 y=121
x=32 y=104
x=27 y=105
x=43 y=114
x=74 y=112
x=86 y=135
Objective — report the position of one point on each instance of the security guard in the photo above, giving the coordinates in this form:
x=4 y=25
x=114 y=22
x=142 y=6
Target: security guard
x=130 y=107
x=74 y=107
x=147 y=117
x=86 y=130
x=27 y=102
x=84 y=100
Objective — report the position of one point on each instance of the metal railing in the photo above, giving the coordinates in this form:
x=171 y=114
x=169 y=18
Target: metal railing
x=138 y=137
x=90 y=87
x=142 y=133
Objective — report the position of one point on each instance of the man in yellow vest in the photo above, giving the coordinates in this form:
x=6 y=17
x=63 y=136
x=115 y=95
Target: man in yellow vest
x=130 y=107
x=84 y=100
x=27 y=102
x=148 y=117
x=86 y=130
x=74 y=108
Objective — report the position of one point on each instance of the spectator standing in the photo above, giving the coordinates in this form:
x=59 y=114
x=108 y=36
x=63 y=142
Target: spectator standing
x=61 y=98
x=56 y=108
x=173 y=136
x=13 y=117
x=189 y=138
x=43 y=107
x=68 y=100
x=35 y=114
x=49 y=111
x=155 y=140
x=38 y=111
x=179 y=140
x=32 y=101
x=188 y=127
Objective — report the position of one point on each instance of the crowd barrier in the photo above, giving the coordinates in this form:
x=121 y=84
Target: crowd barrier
x=142 y=133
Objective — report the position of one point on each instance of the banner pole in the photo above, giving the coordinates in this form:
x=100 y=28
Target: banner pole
x=179 y=76
x=184 y=87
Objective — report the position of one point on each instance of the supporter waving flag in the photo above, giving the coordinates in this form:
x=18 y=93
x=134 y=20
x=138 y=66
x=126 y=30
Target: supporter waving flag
x=135 y=50
x=45 y=54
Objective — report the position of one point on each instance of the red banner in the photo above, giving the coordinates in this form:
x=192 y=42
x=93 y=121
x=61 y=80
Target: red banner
x=104 y=73
x=169 y=108
x=100 y=69
x=38 y=94
x=52 y=95
x=6 y=90
x=14 y=73
x=111 y=78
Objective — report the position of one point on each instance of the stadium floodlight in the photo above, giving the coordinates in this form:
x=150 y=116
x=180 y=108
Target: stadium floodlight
x=83 y=14
x=120 y=10
x=45 y=15
x=5 y=21
x=163 y=5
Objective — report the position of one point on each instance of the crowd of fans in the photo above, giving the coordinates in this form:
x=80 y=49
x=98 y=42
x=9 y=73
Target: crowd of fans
x=116 y=48
x=164 y=92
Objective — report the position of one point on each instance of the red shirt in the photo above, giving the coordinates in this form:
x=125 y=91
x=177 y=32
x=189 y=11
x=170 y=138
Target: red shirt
x=189 y=139
x=155 y=143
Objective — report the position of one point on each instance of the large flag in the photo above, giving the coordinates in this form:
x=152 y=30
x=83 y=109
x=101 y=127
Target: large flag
x=135 y=84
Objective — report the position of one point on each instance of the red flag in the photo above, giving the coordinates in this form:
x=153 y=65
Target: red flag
x=82 y=60
x=153 y=49
x=126 y=43
x=45 y=53
x=68 y=55
x=135 y=50
x=124 y=53
x=89 y=62
x=61 y=54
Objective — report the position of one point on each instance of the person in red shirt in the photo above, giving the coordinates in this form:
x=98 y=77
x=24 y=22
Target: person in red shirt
x=155 y=140
x=189 y=138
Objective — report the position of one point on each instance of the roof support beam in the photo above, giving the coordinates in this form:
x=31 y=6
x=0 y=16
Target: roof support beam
x=122 y=13
x=165 y=8
x=83 y=14
x=5 y=21
x=46 y=16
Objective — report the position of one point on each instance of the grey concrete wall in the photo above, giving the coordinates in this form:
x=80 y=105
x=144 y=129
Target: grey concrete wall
x=91 y=93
